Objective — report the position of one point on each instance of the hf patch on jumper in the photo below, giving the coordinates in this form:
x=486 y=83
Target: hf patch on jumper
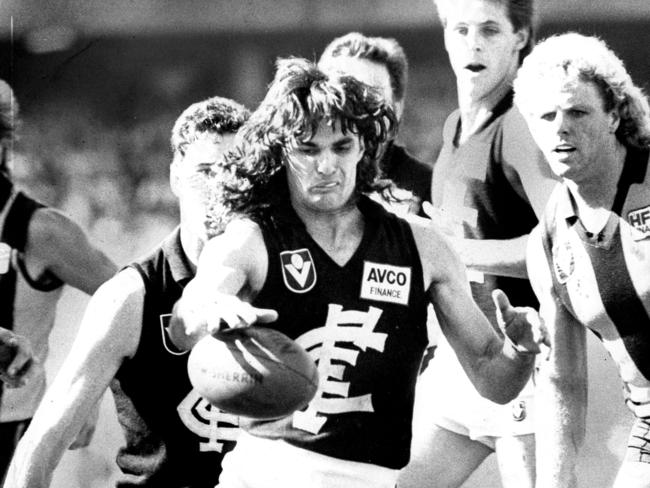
x=386 y=283
x=639 y=220
x=298 y=270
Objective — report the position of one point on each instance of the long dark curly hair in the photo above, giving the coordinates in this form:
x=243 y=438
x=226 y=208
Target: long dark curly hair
x=300 y=98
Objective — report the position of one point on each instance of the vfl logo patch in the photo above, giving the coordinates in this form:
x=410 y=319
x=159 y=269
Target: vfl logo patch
x=386 y=283
x=298 y=270
x=563 y=262
x=639 y=220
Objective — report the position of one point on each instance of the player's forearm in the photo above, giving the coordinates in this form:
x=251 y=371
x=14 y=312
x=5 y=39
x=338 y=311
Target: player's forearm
x=505 y=257
x=503 y=372
x=35 y=460
x=560 y=419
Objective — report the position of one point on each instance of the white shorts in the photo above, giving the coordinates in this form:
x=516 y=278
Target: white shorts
x=263 y=463
x=447 y=398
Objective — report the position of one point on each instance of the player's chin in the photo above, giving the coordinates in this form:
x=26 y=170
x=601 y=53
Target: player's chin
x=328 y=203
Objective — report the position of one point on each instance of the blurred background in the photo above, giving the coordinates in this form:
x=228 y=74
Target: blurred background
x=100 y=83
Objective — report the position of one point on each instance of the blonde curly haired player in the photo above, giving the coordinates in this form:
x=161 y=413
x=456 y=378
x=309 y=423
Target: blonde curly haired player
x=589 y=258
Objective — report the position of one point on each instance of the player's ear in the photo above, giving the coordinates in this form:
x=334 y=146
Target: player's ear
x=174 y=177
x=398 y=107
x=522 y=38
x=614 y=121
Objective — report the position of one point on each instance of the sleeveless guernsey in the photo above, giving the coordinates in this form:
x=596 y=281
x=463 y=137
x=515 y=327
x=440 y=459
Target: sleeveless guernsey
x=174 y=438
x=364 y=324
x=604 y=280
x=27 y=306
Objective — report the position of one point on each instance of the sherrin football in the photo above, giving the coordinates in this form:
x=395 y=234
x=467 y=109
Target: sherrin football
x=254 y=372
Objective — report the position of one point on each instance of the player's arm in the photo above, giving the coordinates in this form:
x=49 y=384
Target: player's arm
x=62 y=247
x=109 y=333
x=498 y=369
x=504 y=257
x=232 y=268
x=561 y=382
x=530 y=176
x=524 y=164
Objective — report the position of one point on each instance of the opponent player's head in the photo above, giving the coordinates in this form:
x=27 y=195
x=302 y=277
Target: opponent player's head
x=200 y=139
x=303 y=106
x=8 y=125
x=560 y=65
x=520 y=14
x=485 y=41
x=377 y=61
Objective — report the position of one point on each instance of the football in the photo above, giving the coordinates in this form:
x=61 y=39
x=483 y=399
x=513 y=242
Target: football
x=254 y=372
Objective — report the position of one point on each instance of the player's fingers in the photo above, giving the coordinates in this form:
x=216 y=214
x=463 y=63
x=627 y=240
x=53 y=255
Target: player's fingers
x=19 y=364
x=23 y=359
x=538 y=329
x=502 y=305
x=6 y=336
x=225 y=317
x=9 y=381
x=501 y=300
x=428 y=209
x=266 y=315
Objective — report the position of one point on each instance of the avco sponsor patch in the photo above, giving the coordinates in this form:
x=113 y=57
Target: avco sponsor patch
x=386 y=283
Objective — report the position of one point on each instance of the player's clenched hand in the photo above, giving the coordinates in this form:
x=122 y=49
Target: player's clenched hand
x=23 y=364
x=521 y=325
x=190 y=323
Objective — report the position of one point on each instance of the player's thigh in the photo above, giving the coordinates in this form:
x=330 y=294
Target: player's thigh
x=516 y=460
x=444 y=460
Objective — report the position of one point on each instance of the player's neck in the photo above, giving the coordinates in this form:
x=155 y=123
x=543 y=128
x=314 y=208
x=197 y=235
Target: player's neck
x=192 y=244
x=337 y=233
x=475 y=111
x=595 y=196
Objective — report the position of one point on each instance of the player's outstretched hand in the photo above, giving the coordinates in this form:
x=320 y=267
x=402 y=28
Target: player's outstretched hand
x=189 y=326
x=18 y=361
x=521 y=325
x=230 y=311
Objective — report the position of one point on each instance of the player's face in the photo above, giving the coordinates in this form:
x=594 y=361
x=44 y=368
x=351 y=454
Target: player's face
x=572 y=128
x=190 y=176
x=322 y=171
x=369 y=72
x=482 y=45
